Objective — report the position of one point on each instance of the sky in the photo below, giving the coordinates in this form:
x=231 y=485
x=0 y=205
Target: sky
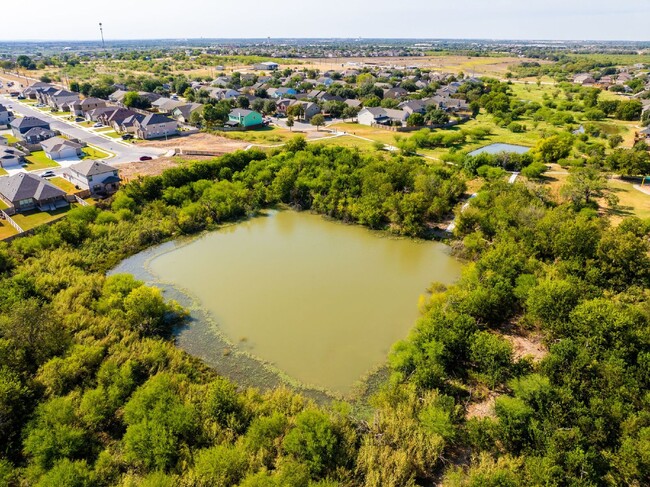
x=450 y=19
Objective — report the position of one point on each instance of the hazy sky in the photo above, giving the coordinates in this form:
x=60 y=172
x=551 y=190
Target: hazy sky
x=491 y=19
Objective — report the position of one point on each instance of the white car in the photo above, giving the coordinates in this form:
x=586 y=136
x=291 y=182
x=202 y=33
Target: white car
x=97 y=125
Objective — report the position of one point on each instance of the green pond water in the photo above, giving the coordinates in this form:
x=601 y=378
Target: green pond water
x=320 y=301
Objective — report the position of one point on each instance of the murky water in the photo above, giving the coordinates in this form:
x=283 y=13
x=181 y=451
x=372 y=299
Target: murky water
x=319 y=300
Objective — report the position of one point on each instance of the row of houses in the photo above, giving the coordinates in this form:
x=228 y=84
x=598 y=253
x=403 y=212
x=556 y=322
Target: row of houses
x=140 y=124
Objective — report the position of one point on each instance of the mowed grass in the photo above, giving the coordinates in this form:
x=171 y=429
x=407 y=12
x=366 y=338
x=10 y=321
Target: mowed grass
x=35 y=218
x=632 y=202
x=63 y=184
x=6 y=230
x=263 y=135
x=94 y=153
x=346 y=141
x=38 y=160
x=10 y=138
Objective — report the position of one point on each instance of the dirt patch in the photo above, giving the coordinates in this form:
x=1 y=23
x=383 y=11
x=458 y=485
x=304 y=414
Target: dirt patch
x=155 y=167
x=482 y=409
x=199 y=142
x=530 y=345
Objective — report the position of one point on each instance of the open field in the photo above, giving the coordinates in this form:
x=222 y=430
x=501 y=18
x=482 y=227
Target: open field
x=479 y=66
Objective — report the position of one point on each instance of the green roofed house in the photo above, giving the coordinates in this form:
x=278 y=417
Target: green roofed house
x=244 y=118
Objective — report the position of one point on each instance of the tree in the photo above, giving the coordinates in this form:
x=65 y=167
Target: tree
x=243 y=102
x=534 y=170
x=615 y=140
x=318 y=121
x=584 y=184
x=133 y=100
x=313 y=440
x=415 y=120
x=290 y=122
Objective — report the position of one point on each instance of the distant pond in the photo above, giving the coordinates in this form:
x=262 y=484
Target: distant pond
x=498 y=148
x=315 y=301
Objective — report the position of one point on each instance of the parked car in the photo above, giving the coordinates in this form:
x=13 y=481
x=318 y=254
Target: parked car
x=97 y=125
x=79 y=119
x=127 y=137
x=48 y=174
x=145 y=158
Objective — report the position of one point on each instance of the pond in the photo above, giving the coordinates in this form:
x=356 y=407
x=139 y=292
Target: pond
x=499 y=147
x=320 y=302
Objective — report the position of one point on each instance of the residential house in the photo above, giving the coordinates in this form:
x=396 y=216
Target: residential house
x=244 y=118
x=37 y=135
x=154 y=126
x=94 y=115
x=22 y=125
x=308 y=109
x=31 y=92
x=115 y=117
x=80 y=108
x=166 y=105
x=266 y=66
x=184 y=113
x=98 y=177
x=584 y=79
x=10 y=156
x=26 y=191
x=57 y=148
x=128 y=124
x=413 y=106
x=381 y=116
x=61 y=100
x=223 y=93
x=6 y=117
x=117 y=96
x=395 y=93
x=281 y=92
x=323 y=80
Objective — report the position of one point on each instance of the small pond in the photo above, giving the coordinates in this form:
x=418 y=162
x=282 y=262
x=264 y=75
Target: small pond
x=316 y=301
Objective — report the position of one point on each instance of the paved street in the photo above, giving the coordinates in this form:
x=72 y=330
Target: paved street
x=123 y=151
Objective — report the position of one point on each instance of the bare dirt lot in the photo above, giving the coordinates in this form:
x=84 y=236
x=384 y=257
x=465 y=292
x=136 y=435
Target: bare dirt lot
x=199 y=142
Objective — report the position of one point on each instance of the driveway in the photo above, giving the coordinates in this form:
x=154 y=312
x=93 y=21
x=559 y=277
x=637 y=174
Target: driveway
x=123 y=151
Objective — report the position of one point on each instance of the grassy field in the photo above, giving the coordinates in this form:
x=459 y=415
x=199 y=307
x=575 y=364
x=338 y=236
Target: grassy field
x=38 y=160
x=264 y=136
x=631 y=200
x=345 y=141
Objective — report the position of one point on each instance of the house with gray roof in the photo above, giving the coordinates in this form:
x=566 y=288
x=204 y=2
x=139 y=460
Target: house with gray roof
x=381 y=116
x=10 y=156
x=81 y=107
x=6 y=116
x=98 y=177
x=154 y=126
x=38 y=135
x=58 y=148
x=26 y=191
x=22 y=125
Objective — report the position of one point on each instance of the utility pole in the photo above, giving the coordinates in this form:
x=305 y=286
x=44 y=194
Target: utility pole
x=101 y=31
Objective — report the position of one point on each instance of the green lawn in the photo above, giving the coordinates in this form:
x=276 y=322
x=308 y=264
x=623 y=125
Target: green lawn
x=631 y=200
x=94 y=153
x=64 y=184
x=35 y=218
x=38 y=160
x=3 y=172
x=10 y=138
x=6 y=230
